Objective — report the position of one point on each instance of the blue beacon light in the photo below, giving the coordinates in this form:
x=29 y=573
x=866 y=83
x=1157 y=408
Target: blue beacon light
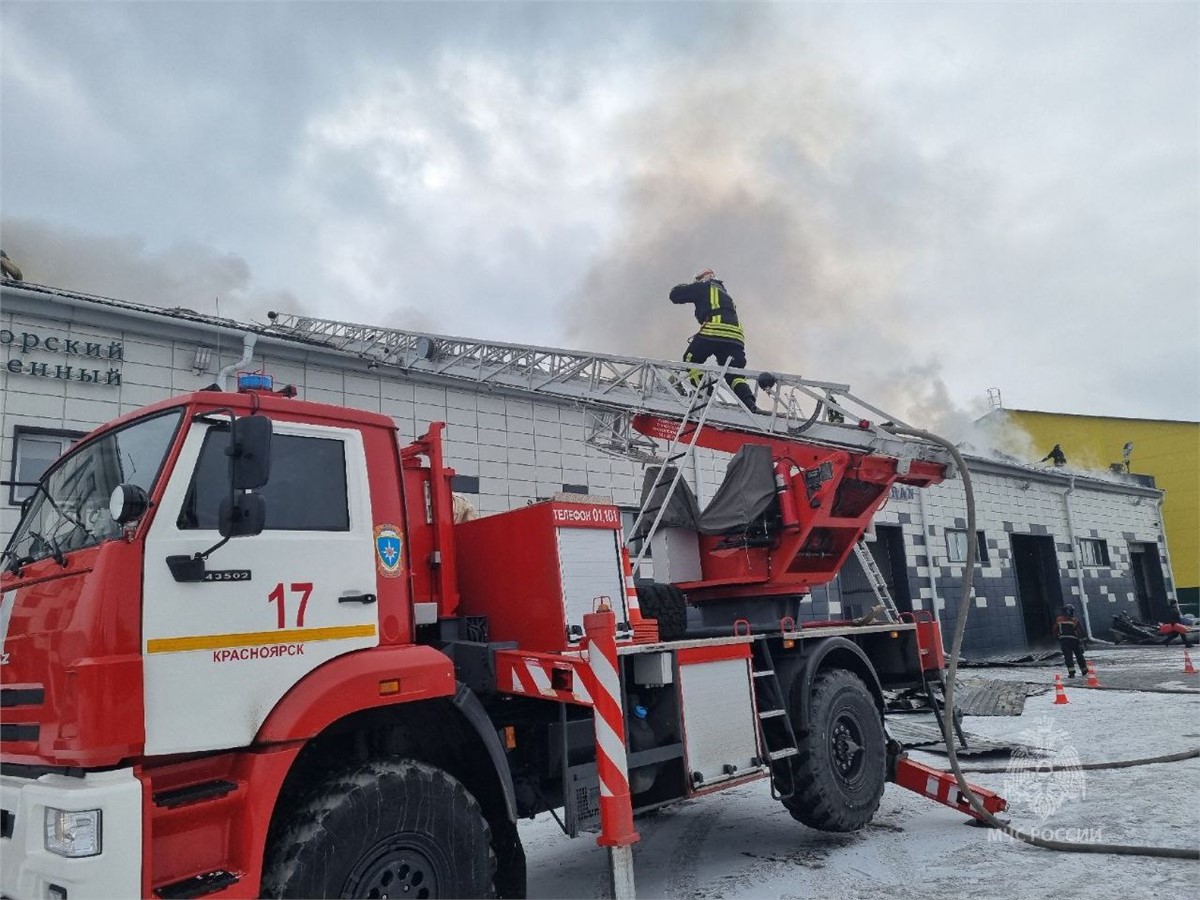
x=254 y=381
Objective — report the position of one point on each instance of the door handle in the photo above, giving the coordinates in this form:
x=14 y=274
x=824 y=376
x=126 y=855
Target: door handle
x=357 y=598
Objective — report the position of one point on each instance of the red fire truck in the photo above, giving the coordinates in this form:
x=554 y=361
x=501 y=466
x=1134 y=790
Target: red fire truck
x=247 y=650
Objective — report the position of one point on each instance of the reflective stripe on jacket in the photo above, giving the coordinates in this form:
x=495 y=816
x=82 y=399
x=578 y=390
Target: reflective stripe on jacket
x=713 y=307
x=1067 y=627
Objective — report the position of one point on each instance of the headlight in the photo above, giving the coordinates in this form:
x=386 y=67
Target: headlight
x=73 y=834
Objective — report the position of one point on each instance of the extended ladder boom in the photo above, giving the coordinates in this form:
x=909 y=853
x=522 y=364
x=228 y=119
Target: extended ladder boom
x=613 y=389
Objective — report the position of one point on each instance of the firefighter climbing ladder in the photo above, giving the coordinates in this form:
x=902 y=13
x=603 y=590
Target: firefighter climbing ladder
x=612 y=389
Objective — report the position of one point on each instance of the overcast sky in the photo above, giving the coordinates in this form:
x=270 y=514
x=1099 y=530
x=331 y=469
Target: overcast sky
x=925 y=201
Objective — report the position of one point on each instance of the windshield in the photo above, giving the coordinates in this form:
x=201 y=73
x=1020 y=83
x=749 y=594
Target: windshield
x=69 y=508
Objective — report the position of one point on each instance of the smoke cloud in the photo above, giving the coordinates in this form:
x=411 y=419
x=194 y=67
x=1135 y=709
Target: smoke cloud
x=189 y=275
x=816 y=213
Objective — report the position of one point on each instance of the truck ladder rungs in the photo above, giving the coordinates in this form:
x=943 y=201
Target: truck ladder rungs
x=878 y=583
x=694 y=418
x=614 y=388
x=776 y=739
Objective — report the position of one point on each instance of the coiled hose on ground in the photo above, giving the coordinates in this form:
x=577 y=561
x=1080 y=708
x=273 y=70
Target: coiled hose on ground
x=952 y=674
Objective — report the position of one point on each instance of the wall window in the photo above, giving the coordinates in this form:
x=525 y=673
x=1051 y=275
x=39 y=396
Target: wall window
x=34 y=449
x=465 y=484
x=306 y=491
x=1093 y=552
x=956 y=546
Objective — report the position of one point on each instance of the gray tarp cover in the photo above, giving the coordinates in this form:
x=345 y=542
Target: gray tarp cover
x=744 y=495
x=681 y=512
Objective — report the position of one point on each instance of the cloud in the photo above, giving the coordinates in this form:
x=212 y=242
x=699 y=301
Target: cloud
x=471 y=189
x=976 y=194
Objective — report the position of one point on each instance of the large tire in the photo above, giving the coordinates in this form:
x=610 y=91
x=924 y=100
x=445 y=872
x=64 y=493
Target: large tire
x=841 y=768
x=387 y=828
x=666 y=603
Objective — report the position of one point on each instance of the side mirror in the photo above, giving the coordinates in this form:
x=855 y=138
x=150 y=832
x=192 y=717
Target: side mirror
x=128 y=503
x=251 y=452
x=244 y=515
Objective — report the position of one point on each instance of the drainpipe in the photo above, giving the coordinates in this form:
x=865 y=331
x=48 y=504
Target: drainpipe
x=248 y=342
x=933 y=588
x=1083 y=600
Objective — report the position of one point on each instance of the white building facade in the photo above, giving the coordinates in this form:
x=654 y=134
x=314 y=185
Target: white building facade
x=72 y=362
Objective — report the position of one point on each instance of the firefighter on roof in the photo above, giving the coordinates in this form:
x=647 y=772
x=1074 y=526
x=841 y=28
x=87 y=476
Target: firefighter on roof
x=1056 y=456
x=720 y=333
x=9 y=267
x=1070 y=637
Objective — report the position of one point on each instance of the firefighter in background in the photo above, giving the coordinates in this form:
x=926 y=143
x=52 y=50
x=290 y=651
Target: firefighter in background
x=1070 y=637
x=720 y=333
x=1056 y=456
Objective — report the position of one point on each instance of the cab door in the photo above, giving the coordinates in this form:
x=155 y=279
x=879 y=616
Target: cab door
x=220 y=653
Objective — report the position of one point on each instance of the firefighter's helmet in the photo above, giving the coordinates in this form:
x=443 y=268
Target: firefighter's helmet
x=705 y=275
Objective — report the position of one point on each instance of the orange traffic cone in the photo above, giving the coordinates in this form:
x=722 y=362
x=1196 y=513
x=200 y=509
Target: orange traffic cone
x=1092 y=681
x=1060 y=693
x=1188 y=668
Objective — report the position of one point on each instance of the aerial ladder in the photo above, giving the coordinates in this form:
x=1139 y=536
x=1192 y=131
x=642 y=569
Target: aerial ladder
x=635 y=405
x=612 y=389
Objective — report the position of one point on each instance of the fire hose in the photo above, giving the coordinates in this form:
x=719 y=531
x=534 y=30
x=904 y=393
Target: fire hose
x=1091 y=767
x=951 y=676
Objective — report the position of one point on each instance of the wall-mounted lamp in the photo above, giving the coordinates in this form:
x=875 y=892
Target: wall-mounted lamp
x=202 y=359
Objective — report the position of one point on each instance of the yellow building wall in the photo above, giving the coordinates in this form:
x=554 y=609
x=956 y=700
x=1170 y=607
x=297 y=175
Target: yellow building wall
x=1170 y=451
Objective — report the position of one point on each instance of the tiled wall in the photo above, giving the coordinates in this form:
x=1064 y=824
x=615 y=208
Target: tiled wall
x=1005 y=506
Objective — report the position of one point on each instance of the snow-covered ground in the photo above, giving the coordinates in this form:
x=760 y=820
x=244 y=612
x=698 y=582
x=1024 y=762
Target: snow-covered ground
x=742 y=844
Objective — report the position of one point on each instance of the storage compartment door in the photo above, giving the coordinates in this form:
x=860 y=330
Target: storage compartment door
x=590 y=565
x=718 y=720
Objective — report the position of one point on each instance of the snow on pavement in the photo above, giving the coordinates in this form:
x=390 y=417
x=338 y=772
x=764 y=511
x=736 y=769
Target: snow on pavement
x=742 y=844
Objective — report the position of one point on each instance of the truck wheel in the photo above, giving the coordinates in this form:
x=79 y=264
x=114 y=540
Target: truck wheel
x=391 y=828
x=664 y=602
x=840 y=770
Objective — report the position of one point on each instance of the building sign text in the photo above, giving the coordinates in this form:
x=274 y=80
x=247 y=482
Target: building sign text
x=28 y=341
